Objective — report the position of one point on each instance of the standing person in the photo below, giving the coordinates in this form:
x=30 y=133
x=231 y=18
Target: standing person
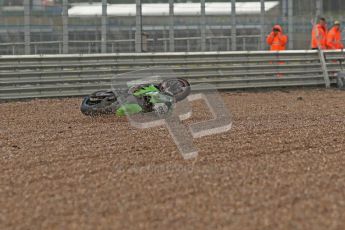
x=318 y=35
x=277 y=42
x=276 y=39
x=334 y=37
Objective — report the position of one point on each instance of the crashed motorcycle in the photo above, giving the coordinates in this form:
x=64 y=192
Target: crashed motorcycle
x=141 y=98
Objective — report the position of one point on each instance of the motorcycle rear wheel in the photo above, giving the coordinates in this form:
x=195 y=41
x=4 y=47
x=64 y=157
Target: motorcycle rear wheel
x=99 y=103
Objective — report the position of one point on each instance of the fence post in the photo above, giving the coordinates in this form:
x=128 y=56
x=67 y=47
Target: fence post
x=233 y=25
x=284 y=7
x=319 y=8
x=203 y=26
x=262 y=22
x=65 y=26
x=290 y=24
x=165 y=41
x=171 y=27
x=324 y=68
x=104 y=27
x=138 y=27
x=130 y=36
x=27 y=14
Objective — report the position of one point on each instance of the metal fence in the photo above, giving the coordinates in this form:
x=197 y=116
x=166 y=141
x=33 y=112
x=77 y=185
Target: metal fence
x=97 y=27
x=35 y=76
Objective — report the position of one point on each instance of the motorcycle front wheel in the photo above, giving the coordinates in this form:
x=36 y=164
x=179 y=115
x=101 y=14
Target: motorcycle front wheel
x=178 y=87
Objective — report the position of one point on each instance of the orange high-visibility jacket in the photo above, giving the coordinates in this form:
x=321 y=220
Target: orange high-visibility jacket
x=278 y=41
x=318 y=37
x=334 y=39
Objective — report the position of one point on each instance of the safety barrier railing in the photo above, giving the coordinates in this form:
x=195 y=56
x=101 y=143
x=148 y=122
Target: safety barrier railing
x=35 y=76
x=154 y=44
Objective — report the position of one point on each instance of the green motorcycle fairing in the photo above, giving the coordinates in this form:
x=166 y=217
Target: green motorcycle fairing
x=154 y=94
x=128 y=109
x=146 y=89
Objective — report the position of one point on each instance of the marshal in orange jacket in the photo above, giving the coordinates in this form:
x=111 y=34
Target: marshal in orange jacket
x=276 y=39
x=334 y=38
x=318 y=37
